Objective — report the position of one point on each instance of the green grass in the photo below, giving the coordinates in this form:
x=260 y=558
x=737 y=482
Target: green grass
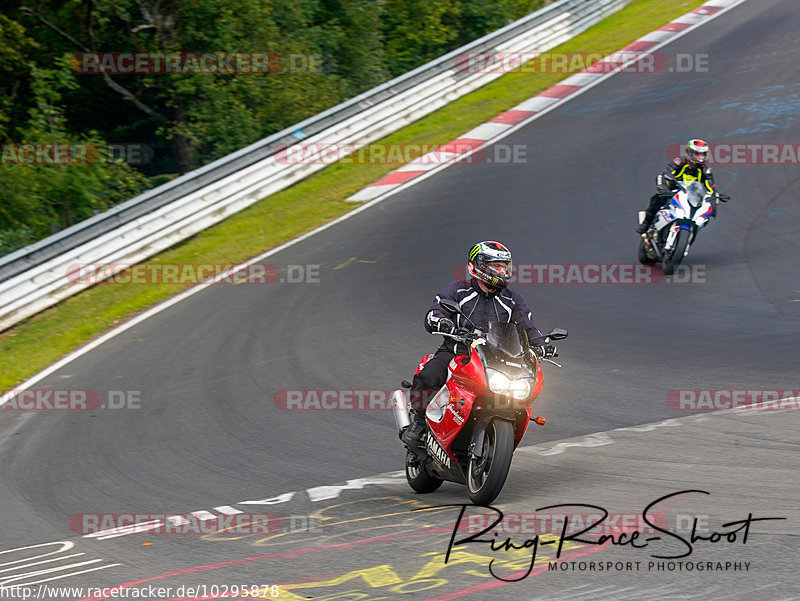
x=42 y=339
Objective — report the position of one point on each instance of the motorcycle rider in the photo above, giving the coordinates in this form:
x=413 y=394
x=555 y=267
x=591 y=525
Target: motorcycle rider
x=692 y=167
x=484 y=298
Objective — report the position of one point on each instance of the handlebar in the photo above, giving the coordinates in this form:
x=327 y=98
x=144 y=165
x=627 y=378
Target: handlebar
x=463 y=336
x=549 y=360
x=468 y=337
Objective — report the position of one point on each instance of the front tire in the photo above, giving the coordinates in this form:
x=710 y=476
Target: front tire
x=485 y=477
x=673 y=259
x=418 y=477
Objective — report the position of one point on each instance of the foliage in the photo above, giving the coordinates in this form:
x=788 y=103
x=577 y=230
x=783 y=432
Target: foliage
x=321 y=53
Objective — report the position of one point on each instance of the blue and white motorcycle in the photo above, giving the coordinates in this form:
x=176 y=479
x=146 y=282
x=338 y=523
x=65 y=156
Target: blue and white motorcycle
x=676 y=225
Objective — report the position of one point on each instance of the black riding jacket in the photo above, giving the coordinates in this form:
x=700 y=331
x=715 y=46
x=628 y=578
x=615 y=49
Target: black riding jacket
x=685 y=172
x=506 y=306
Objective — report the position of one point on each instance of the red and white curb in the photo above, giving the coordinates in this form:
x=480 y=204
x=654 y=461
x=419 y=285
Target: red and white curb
x=535 y=107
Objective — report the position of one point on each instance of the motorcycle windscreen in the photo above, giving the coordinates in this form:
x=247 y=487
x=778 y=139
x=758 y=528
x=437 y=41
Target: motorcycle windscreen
x=508 y=338
x=695 y=193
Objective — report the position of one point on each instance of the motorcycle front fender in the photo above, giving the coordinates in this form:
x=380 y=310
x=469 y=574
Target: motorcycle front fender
x=675 y=227
x=476 y=444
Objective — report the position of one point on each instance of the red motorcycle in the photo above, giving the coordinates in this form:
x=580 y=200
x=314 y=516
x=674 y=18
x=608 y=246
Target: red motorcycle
x=480 y=415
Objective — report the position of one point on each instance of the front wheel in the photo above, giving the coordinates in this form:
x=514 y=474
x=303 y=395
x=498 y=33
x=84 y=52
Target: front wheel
x=486 y=476
x=673 y=259
x=418 y=477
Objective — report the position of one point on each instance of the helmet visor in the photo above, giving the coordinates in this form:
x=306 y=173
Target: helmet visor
x=698 y=156
x=500 y=270
x=697 y=152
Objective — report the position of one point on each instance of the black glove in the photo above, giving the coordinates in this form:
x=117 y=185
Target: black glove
x=446 y=326
x=548 y=350
x=665 y=184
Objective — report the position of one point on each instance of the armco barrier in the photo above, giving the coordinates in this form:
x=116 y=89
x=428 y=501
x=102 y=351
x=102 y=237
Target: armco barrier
x=35 y=277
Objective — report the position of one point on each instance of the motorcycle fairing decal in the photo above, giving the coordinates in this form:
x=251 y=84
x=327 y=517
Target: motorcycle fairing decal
x=436 y=451
x=673 y=232
x=683 y=226
x=457 y=417
x=422 y=363
x=665 y=216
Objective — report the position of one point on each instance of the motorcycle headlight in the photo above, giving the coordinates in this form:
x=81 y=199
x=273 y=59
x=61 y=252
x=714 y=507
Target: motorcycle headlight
x=516 y=389
x=499 y=383
x=521 y=389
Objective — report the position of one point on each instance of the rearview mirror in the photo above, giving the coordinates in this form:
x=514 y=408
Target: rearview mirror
x=451 y=306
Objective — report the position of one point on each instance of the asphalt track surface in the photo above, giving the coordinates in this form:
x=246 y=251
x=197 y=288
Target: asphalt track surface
x=209 y=434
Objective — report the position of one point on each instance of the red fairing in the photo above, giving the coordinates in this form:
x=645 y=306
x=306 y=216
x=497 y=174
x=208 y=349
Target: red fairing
x=422 y=363
x=468 y=381
x=470 y=374
x=455 y=416
x=537 y=386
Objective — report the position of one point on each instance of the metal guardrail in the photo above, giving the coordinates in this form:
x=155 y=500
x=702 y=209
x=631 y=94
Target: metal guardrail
x=35 y=277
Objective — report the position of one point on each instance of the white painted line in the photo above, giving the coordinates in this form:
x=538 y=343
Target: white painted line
x=656 y=36
x=580 y=79
x=228 y=510
x=36 y=563
x=323 y=493
x=595 y=439
x=25 y=575
x=428 y=161
x=537 y=103
x=66 y=545
x=372 y=191
x=62 y=576
x=650 y=427
x=485 y=131
x=592 y=440
x=691 y=19
x=28 y=562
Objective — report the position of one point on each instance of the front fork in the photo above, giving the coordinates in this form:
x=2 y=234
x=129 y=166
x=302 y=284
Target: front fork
x=673 y=234
x=670 y=241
